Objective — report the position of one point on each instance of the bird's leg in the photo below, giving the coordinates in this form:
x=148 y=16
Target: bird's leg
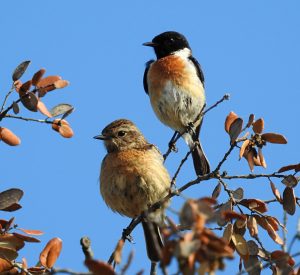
x=125 y=234
x=191 y=129
x=172 y=143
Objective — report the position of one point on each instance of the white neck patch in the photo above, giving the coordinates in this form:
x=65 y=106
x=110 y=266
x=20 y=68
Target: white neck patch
x=185 y=53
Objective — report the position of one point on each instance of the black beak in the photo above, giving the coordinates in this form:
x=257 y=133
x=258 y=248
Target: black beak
x=101 y=137
x=150 y=44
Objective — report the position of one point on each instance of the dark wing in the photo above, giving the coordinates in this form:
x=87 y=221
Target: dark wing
x=198 y=68
x=145 y=75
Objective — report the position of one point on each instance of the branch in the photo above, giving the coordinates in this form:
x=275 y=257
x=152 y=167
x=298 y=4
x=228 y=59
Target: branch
x=29 y=119
x=6 y=97
x=68 y=271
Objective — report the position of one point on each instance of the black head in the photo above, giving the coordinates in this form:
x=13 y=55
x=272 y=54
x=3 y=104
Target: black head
x=167 y=43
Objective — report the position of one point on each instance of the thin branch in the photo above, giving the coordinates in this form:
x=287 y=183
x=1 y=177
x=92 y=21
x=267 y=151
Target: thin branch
x=128 y=263
x=29 y=119
x=68 y=271
x=285 y=218
x=253 y=176
x=6 y=97
x=225 y=97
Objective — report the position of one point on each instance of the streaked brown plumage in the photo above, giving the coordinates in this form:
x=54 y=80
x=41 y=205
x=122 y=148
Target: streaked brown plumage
x=133 y=177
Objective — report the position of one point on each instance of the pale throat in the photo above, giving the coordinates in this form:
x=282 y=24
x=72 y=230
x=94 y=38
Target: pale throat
x=185 y=53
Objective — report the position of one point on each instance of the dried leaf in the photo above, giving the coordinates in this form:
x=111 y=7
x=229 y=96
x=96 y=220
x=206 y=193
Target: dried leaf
x=67 y=113
x=25 y=88
x=9 y=224
x=217 y=191
x=253 y=266
x=44 y=90
x=261 y=158
x=5 y=265
x=11 y=241
x=235 y=129
x=289 y=200
x=8 y=253
x=254 y=204
x=224 y=207
x=274 y=138
x=9 y=197
x=118 y=251
x=238 y=194
x=43 y=109
x=59 y=84
x=229 y=119
x=16 y=108
x=51 y=252
x=17 y=85
x=38 y=76
x=228 y=231
x=280 y=256
x=273 y=222
x=290 y=167
x=99 y=267
x=61 y=109
x=24 y=266
x=32 y=232
x=250 y=120
x=168 y=252
x=290 y=181
x=66 y=131
x=230 y=214
x=240 y=245
x=252 y=226
x=258 y=126
x=25 y=238
x=9 y=137
x=12 y=208
x=253 y=248
x=30 y=101
x=48 y=81
x=243 y=147
x=20 y=70
x=276 y=192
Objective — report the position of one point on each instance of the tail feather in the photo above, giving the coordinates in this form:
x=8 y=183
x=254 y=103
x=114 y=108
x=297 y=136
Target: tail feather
x=201 y=164
x=154 y=242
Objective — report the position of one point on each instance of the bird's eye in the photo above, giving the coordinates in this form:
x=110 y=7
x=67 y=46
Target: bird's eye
x=121 y=133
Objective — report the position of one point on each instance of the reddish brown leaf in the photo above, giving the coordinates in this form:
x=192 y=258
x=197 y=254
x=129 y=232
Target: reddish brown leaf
x=43 y=109
x=20 y=70
x=26 y=238
x=275 y=192
x=118 y=252
x=289 y=200
x=12 y=208
x=9 y=224
x=253 y=248
x=16 y=108
x=44 y=90
x=243 y=147
x=8 y=253
x=51 y=252
x=254 y=204
x=25 y=88
x=258 y=126
x=5 y=265
x=290 y=167
x=48 y=81
x=30 y=102
x=235 y=129
x=279 y=255
x=99 y=267
x=252 y=226
x=66 y=131
x=11 y=241
x=228 y=231
x=274 y=138
x=273 y=222
x=9 y=137
x=9 y=197
x=57 y=124
x=250 y=120
x=230 y=214
x=253 y=266
x=32 y=232
x=59 y=84
x=24 y=266
x=168 y=252
x=261 y=158
x=38 y=76
x=229 y=119
x=37 y=270
x=265 y=225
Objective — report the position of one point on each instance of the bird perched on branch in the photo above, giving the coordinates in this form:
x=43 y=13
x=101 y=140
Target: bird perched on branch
x=175 y=85
x=133 y=177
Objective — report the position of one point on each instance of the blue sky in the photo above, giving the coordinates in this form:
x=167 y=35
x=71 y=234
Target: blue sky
x=249 y=49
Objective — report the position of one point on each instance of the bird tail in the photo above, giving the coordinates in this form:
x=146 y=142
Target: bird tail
x=154 y=242
x=201 y=164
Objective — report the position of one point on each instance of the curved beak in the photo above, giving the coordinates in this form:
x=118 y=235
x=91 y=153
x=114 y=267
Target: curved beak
x=101 y=137
x=150 y=44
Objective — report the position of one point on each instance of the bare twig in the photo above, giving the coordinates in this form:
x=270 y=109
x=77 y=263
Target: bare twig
x=6 y=97
x=86 y=248
x=67 y=271
x=285 y=218
x=29 y=119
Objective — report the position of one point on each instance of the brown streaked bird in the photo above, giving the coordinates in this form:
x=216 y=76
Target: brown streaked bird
x=175 y=85
x=133 y=177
